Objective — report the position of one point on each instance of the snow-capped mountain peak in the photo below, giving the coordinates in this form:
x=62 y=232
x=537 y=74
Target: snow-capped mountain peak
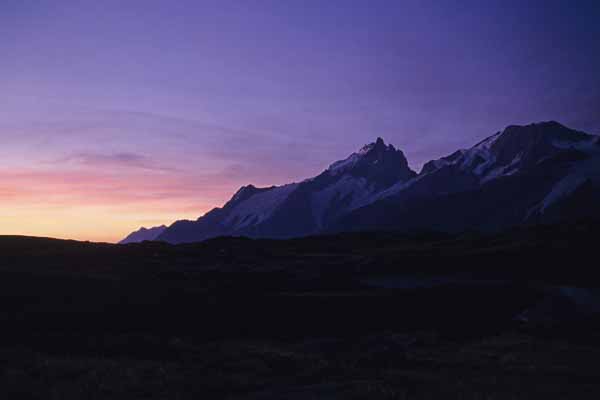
x=377 y=144
x=370 y=154
x=514 y=148
x=349 y=162
x=301 y=208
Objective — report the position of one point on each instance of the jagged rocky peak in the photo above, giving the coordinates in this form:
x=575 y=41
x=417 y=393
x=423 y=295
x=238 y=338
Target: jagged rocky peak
x=371 y=157
x=378 y=146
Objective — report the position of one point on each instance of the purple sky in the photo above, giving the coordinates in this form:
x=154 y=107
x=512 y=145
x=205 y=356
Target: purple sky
x=115 y=114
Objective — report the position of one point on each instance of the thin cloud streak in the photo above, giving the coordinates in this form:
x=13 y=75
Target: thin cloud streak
x=121 y=160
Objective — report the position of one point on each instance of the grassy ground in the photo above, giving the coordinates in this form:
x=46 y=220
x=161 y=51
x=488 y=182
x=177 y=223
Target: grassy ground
x=384 y=366
x=243 y=319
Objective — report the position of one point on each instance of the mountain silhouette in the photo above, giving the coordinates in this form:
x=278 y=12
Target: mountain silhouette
x=537 y=173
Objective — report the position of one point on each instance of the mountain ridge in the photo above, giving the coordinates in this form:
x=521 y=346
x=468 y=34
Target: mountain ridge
x=144 y=234
x=519 y=168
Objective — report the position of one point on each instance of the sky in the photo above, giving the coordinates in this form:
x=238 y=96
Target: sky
x=116 y=115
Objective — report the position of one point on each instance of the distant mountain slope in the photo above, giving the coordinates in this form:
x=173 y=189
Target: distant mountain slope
x=144 y=234
x=529 y=174
x=303 y=208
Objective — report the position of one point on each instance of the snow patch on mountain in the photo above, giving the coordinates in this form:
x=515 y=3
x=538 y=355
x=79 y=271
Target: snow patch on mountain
x=504 y=170
x=391 y=191
x=486 y=144
x=588 y=170
x=562 y=190
x=585 y=146
x=480 y=158
x=258 y=207
x=477 y=160
x=350 y=189
x=342 y=166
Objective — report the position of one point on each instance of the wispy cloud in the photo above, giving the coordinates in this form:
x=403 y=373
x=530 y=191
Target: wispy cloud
x=111 y=160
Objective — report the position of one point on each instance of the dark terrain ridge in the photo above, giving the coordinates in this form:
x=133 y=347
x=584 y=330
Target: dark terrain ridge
x=373 y=315
x=144 y=234
x=523 y=175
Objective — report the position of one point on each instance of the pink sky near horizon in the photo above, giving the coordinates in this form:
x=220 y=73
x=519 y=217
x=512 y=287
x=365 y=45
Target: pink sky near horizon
x=96 y=206
x=52 y=189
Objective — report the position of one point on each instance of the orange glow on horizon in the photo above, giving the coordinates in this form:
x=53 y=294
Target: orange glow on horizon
x=97 y=224
x=86 y=205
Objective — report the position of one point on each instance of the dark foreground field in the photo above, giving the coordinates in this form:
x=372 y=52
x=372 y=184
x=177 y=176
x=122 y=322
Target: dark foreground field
x=373 y=316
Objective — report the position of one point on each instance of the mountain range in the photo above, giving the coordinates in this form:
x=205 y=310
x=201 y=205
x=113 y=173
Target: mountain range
x=532 y=174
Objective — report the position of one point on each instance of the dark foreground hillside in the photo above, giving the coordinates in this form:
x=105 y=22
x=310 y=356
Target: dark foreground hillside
x=371 y=315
